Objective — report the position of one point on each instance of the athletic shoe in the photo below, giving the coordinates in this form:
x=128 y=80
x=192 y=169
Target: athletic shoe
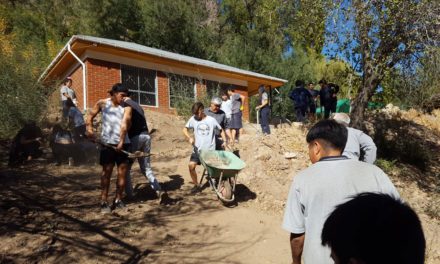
x=194 y=190
x=105 y=208
x=120 y=205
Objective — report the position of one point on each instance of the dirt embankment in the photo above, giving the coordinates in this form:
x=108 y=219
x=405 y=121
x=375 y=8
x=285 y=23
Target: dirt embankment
x=49 y=214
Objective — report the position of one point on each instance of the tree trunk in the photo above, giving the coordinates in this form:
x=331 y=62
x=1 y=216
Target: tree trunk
x=370 y=82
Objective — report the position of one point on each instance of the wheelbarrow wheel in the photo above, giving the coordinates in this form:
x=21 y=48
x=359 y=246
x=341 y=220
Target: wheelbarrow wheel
x=226 y=189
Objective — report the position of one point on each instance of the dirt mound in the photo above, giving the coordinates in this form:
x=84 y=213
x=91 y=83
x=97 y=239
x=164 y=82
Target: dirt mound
x=272 y=162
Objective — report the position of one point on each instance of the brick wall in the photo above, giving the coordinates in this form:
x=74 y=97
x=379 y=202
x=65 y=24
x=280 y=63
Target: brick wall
x=102 y=75
x=243 y=91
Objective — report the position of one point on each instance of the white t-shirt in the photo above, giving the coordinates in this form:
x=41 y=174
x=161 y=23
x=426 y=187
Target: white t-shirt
x=78 y=119
x=316 y=191
x=204 y=132
x=226 y=107
x=111 y=124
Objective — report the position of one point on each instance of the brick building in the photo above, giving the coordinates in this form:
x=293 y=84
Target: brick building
x=155 y=78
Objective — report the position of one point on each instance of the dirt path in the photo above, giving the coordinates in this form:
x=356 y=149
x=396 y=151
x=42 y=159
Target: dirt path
x=50 y=215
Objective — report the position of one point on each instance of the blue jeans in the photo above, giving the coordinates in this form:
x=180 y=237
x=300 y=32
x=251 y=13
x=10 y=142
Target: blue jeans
x=142 y=143
x=264 y=115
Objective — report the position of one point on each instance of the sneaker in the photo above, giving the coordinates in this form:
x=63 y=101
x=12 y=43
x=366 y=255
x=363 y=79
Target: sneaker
x=105 y=208
x=120 y=205
x=194 y=190
x=163 y=197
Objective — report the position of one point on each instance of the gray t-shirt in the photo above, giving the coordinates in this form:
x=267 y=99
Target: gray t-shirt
x=203 y=132
x=220 y=117
x=263 y=97
x=69 y=91
x=235 y=103
x=78 y=119
x=316 y=191
x=357 y=141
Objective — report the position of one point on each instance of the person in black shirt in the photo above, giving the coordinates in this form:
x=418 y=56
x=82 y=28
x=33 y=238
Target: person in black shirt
x=140 y=141
x=26 y=144
x=312 y=103
x=328 y=97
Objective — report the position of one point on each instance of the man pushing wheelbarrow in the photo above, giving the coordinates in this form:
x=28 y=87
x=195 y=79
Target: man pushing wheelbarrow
x=204 y=140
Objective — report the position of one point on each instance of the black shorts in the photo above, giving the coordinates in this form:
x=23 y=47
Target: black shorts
x=111 y=156
x=312 y=108
x=195 y=157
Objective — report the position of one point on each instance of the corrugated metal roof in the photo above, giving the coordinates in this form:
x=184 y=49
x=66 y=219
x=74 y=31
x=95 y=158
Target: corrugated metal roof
x=161 y=53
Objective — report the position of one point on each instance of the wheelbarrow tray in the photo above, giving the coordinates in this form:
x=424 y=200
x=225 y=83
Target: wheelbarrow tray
x=221 y=167
x=217 y=161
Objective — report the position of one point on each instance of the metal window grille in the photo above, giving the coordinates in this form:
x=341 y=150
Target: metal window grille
x=182 y=87
x=141 y=83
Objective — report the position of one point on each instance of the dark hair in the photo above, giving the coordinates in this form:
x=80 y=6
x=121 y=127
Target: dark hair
x=330 y=131
x=299 y=83
x=69 y=103
x=231 y=88
x=322 y=81
x=310 y=83
x=196 y=107
x=225 y=92
x=375 y=228
x=261 y=90
x=67 y=80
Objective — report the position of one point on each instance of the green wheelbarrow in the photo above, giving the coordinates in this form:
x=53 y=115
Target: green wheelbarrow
x=221 y=170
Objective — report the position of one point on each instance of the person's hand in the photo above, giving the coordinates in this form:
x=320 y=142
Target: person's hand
x=38 y=139
x=258 y=107
x=191 y=141
x=224 y=145
x=334 y=95
x=119 y=146
x=90 y=136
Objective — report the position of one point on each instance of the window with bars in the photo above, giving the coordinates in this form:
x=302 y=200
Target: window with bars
x=214 y=88
x=181 y=88
x=141 y=83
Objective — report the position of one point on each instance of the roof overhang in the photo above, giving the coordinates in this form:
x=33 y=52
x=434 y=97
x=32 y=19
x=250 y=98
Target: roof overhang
x=58 y=68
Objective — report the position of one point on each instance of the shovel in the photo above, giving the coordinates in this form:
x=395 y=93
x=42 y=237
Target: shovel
x=135 y=155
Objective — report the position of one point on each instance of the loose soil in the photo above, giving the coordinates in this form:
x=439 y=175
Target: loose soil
x=50 y=214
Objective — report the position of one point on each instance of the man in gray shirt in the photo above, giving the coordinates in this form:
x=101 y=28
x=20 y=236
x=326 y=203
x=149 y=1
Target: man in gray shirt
x=357 y=141
x=331 y=180
x=220 y=116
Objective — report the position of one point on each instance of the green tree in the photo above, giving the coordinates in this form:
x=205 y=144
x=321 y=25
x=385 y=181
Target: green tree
x=384 y=34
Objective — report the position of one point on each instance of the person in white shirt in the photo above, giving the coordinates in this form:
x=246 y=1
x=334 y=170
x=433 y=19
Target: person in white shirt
x=331 y=180
x=204 y=138
x=357 y=141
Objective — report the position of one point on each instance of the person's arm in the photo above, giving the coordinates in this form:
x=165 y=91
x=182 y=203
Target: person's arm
x=296 y=246
x=89 y=120
x=125 y=126
x=23 y=140
x=367 y=145
x=190 y=139
x=263 y=104
x=222 y=133
x=242 y=101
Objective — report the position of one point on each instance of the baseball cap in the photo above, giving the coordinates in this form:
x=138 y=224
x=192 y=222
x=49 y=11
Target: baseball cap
x=118 y=88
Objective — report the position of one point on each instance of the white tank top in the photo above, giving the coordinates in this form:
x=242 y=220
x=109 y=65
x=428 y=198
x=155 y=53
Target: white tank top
x=111 y=124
